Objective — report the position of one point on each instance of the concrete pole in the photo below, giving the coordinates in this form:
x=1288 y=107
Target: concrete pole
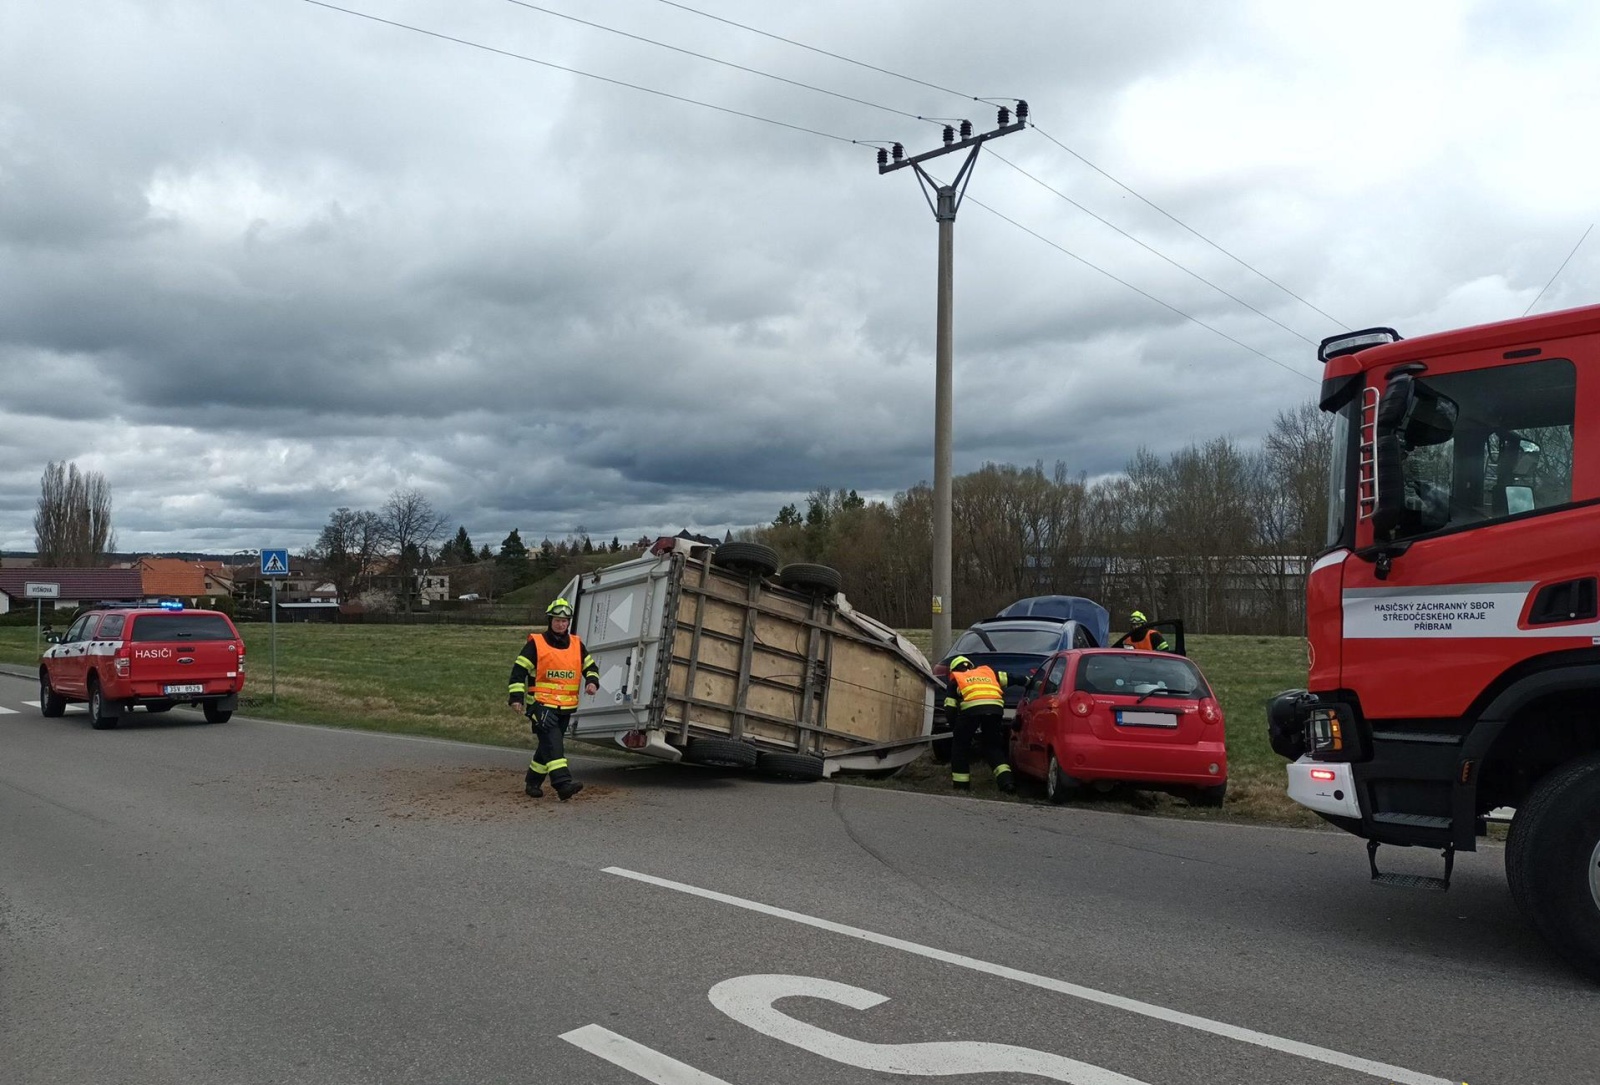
x=943 y=426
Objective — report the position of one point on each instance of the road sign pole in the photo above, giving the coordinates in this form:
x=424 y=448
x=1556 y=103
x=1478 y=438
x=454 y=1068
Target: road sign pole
x=274 y=642
x=38 y=625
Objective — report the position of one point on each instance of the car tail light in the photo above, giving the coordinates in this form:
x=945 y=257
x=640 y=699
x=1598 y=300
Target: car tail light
x=1210 y=710
x=120 y=662
x=1080 y=703
x=240 y=650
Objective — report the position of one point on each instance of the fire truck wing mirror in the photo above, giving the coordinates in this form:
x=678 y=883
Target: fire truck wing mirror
x=1410 y=415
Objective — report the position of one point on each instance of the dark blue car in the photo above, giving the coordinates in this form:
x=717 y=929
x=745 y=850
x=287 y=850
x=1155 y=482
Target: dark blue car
x=1018 y=639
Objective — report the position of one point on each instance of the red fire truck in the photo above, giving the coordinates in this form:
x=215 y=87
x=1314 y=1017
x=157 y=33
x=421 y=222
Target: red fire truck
x=1452 y=621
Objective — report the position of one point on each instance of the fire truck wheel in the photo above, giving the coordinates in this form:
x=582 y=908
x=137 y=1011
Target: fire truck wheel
x=99 y=718
x=752 y=558
x=1553 y=861
x=725 y=753
x=790 y=766
x=51 y=703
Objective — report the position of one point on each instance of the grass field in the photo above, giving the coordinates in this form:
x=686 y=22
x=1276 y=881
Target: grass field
x=449 y=682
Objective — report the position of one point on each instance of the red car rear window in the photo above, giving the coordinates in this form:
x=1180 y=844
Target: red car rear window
x=1140 y=672
x=156 y=627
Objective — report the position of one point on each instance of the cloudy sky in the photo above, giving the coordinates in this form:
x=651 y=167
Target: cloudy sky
x=263 y=258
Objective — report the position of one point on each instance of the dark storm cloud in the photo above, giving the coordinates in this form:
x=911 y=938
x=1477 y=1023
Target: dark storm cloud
x=261 y=261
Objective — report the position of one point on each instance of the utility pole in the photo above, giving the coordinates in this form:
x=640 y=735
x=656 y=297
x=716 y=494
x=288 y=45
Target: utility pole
x=944 y=213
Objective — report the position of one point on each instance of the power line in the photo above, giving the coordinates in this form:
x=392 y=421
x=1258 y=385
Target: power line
x=1193 y=274
x=960 y=94
x=575 y=71
x=716 y=60
x=1165 y=305
x=1553 y=278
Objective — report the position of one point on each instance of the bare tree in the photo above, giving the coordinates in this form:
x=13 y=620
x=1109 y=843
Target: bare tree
x=410 y=525
x=73 y=525
x=347 y=548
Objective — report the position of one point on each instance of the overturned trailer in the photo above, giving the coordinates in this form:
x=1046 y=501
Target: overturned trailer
x=713 y=655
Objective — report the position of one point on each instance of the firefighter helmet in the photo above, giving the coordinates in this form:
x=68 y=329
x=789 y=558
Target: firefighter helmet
x=1138 y=618
x=960 y=663
x=559 y=609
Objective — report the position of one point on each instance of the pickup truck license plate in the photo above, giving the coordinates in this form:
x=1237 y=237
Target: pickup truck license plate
x=1134 y=718
x=192 y=688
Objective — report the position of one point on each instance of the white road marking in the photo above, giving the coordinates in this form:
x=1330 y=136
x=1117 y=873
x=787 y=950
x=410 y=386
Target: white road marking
x=4 y=711
x=749 y=1001
x=1396 y=1074
x=636 y=1058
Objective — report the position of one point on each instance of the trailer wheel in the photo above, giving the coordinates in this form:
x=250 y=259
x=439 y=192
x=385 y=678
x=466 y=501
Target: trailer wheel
x=743 y=557
x=724 y=753
x=790 y=766
x=1553 y=861
x=821 y=579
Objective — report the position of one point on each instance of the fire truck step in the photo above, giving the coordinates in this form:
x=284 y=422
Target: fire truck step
x=1414 y=821
x=1410 y=881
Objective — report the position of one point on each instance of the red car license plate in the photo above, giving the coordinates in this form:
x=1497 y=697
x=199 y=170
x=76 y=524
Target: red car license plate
x=1134 y=718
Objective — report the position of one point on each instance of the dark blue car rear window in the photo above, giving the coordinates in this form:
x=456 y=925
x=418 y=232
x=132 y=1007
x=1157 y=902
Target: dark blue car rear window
x=1037 y=642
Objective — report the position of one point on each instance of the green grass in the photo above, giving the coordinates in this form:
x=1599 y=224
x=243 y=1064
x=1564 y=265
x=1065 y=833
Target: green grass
x=449 y=682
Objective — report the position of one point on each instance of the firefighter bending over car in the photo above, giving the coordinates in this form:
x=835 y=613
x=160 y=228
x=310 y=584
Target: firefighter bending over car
x=975 y=702
x=547 y=675
x=1142 y=636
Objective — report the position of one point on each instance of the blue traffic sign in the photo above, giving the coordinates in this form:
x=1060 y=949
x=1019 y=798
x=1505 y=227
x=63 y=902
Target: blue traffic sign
x=275 y=563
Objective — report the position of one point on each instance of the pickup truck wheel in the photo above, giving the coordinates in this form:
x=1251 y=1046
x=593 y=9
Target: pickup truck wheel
x=790 y=766
x=1556 y=873
x=157 y=707
x=818 y=579
x=215 y=714
x=724 y=753
x=752 y=558
x=51 y=703
x=99 y=718
x=1058 y=786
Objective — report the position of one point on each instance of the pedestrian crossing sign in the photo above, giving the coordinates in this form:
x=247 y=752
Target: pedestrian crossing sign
x=275 y=563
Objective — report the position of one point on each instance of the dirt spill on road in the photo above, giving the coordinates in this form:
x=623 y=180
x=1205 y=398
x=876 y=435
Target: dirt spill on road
x=474 y=794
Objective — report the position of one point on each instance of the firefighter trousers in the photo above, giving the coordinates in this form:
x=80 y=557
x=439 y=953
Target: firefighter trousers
x=987 y=725
x=549 y=758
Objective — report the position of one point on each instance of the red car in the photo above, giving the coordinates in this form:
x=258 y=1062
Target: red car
x=117 y=657
x=1099 y=716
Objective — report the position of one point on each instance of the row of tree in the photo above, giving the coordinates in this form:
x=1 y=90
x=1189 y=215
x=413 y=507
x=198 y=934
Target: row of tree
x=72 y=525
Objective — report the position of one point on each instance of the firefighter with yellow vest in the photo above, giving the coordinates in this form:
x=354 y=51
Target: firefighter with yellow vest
x=975 y=702
x=1142 y=637
x=546 y=675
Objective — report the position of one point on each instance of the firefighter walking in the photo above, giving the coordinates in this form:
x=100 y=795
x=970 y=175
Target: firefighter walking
x=544 y=686
x=975 y=702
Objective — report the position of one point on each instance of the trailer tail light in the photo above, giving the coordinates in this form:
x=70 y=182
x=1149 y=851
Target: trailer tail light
x=119 y=662
x=635 y=740
x=1210 y=710
x=1080 y=703
x=1325 y=775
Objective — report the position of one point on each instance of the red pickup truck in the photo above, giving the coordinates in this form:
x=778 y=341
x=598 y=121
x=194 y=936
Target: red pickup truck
x=117 y=658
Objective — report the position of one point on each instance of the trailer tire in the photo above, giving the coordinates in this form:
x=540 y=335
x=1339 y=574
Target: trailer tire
x=1553 y=862
x=790 y=766
x=725 y=753
x=818 y=579
x=743 y=557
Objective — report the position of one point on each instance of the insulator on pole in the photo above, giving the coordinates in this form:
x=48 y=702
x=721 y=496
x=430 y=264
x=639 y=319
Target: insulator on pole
x=1022 y=112
x=966 y=129
x=1005 y=116
x=949 y=134
x=883 y=156
x=899 y=152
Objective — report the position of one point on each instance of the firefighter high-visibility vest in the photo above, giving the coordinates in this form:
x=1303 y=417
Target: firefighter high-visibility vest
x=1147 y=641
x=978 y=686
x=558 y=674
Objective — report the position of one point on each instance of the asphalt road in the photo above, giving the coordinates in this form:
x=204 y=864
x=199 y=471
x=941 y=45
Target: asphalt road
x=267 y=902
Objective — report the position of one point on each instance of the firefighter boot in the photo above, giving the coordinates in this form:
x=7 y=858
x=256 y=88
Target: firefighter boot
x=961 y=781
x=568 y=789
x=1004 y=780
x=530 y=785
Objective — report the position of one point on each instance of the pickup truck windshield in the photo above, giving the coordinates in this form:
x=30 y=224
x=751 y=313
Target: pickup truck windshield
x=168 y=627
